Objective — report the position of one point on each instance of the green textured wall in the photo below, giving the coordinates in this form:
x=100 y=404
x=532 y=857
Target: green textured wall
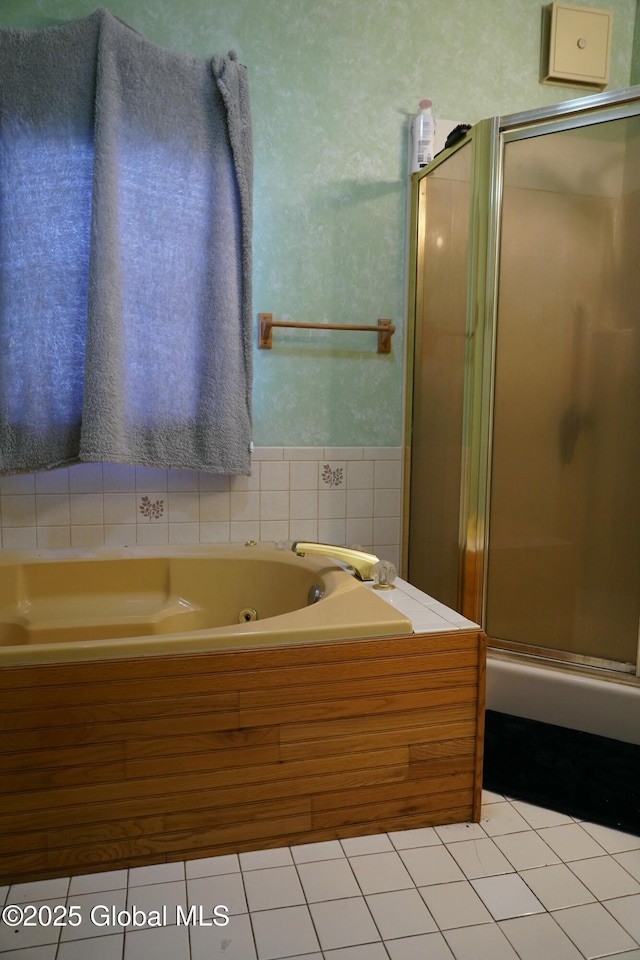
x=332 y=87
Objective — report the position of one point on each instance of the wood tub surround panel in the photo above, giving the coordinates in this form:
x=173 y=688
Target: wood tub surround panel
x=118 y=763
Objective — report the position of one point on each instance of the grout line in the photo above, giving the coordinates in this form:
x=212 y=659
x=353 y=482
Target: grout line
x=495 y=801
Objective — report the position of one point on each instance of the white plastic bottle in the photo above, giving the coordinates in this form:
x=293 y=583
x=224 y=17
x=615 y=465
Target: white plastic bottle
x=423 y=129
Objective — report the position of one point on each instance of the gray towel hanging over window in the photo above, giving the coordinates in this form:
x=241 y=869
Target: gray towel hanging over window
x=125 y=252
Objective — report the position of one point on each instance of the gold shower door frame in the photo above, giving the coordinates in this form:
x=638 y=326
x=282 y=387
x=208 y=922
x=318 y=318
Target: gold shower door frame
x=490 y=139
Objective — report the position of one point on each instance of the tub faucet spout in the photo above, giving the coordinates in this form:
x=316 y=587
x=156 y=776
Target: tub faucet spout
x=362 y=563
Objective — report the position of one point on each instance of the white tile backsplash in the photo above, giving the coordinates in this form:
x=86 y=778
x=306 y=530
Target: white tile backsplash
x=119 y=534
x=303 y=505
x=387 y=503
x=386 y=529
x=302 y=453
x=245 y=505
x=215 y=531
x=19 y=510
x=242 y=530
x=246 y=484
x=18 y=484
x=343 y=453
x=388 y=474
x=119 y=508
x=151 y=479
x=86 y=478
x=303 y=474
x=334 y=494
x=304 y=530
x=20 y=538
x=87 y=535
x=274 y=505
x=332 y=531
x=50 y=538
x=214 y=507
x=267 y=453
x=52 y=510
x=360 y=474
x=53 y=481
x=332 y=504
x=214 y=482
x=153 y=535
x=359 y=503
x=118 y=478
x=274 y=530
x=359 y=531
x=274 y=475
x=86 y=508
x=184 y=507
x=182 y=480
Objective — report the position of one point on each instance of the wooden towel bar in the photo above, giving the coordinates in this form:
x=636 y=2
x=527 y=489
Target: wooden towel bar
x=384 y=328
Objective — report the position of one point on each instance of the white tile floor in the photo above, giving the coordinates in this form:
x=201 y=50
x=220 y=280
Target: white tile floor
x=525 y=883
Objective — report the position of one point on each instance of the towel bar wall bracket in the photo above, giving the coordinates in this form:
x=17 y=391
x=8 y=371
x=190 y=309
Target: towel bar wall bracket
x=385 y=330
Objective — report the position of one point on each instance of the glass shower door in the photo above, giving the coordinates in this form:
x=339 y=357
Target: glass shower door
x=442 y=256
x=564 y=534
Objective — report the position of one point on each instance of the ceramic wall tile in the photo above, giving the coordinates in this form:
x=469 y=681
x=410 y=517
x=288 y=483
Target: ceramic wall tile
x=317 y=495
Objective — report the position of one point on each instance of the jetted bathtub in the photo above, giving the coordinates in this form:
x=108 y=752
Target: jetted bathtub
x=76 y=605
x=172 y=704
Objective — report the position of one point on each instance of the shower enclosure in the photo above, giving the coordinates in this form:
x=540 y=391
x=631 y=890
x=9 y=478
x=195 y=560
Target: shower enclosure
x=522 y=487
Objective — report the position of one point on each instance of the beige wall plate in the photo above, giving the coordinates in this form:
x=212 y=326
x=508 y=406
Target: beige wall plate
x=576 y=46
